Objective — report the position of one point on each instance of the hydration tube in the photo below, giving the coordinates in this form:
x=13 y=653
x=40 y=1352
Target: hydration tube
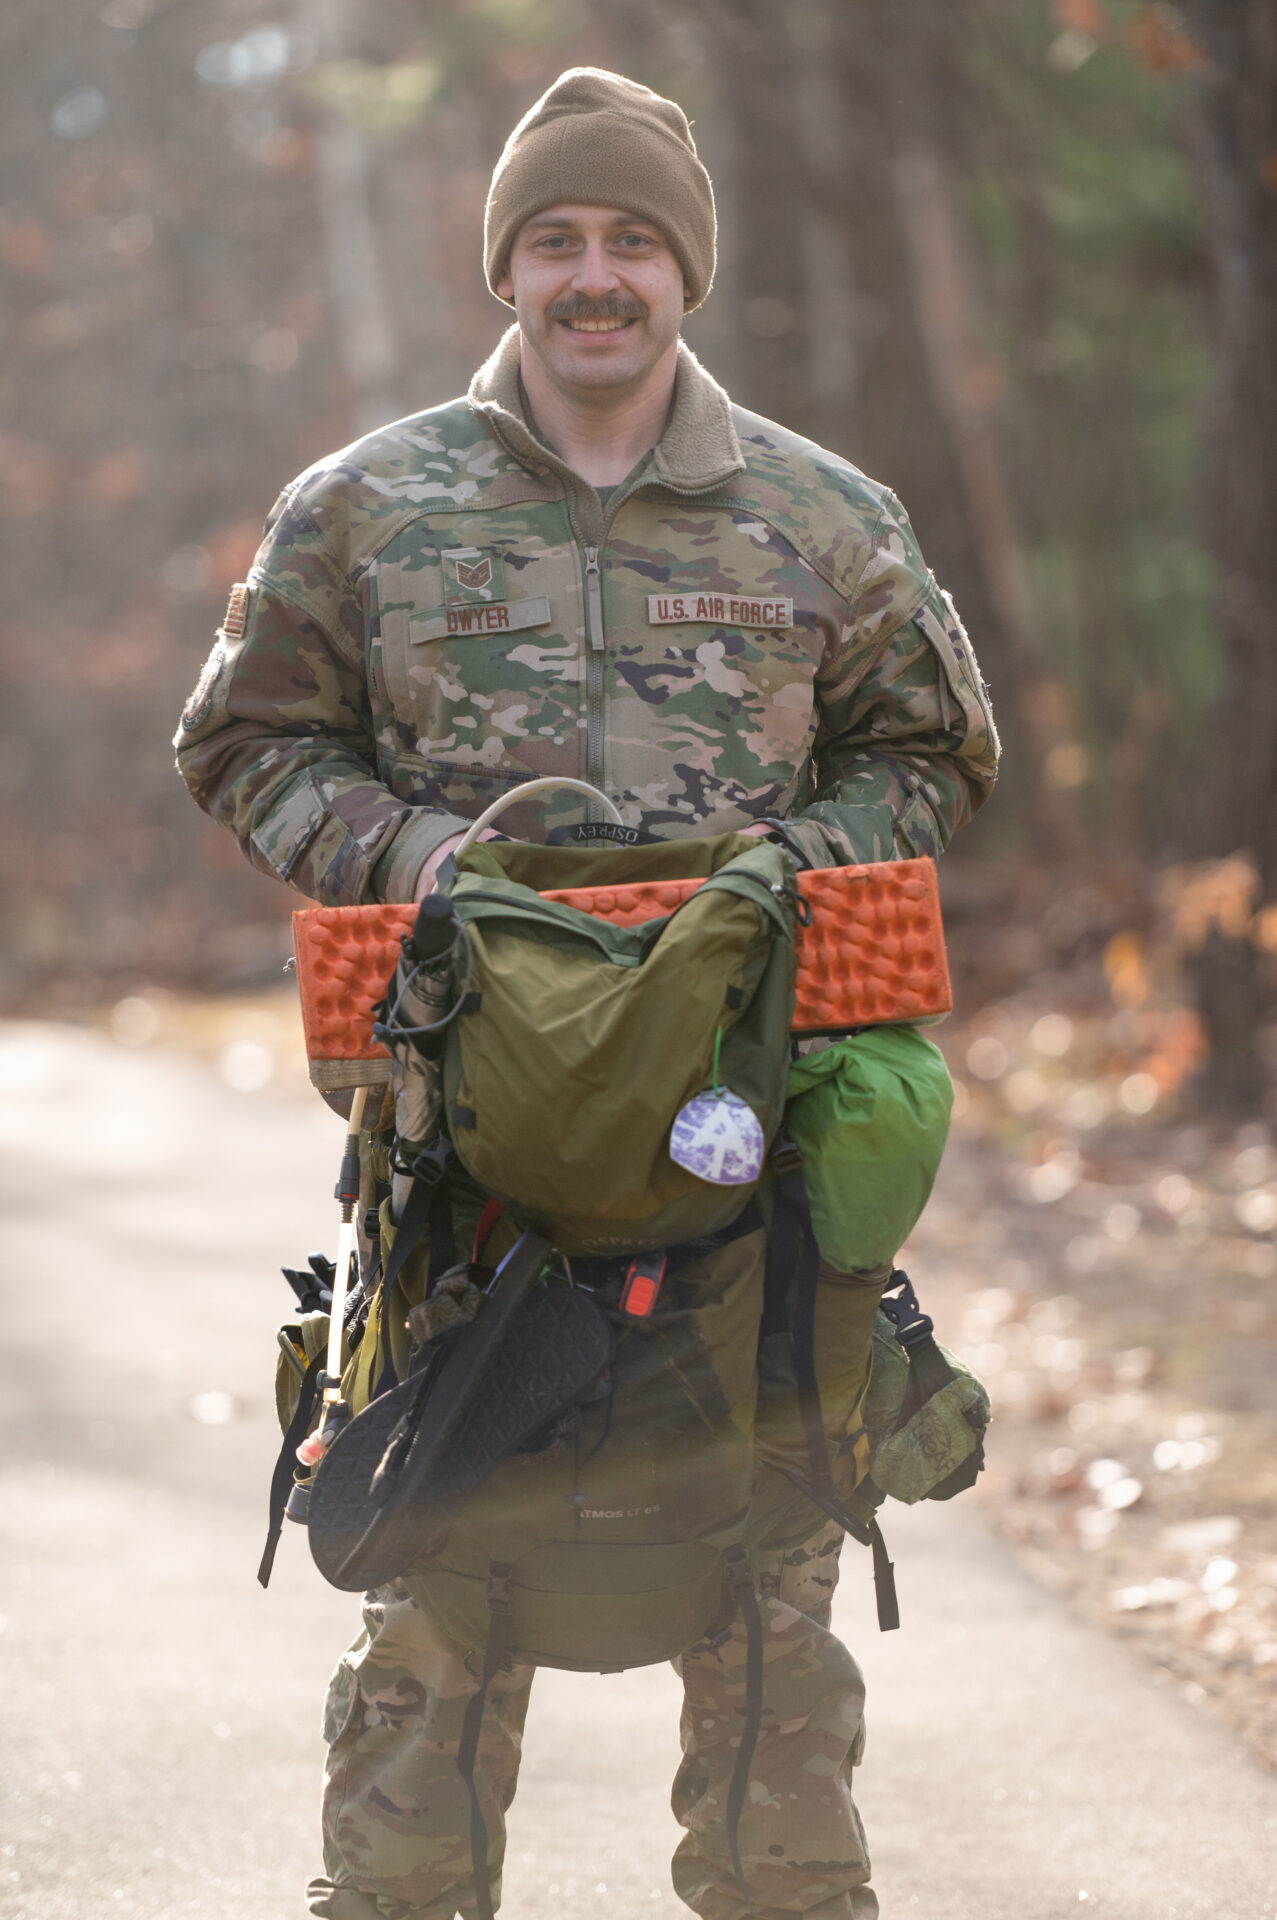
x=335 y=1413
x=525 y=792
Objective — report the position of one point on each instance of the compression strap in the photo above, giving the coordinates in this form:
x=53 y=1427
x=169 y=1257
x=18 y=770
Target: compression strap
x=741 y=1580
x=495 y=1656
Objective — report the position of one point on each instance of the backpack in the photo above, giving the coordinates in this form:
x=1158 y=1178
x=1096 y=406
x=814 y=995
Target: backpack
x=559 y=1009
x=667 y=1328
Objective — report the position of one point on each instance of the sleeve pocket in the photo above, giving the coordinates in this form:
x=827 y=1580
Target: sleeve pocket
x=937 y=619
x=289 y=827
x=304 y=827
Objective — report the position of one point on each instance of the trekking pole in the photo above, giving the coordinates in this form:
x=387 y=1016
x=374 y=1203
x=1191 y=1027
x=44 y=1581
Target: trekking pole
x=313 y=1448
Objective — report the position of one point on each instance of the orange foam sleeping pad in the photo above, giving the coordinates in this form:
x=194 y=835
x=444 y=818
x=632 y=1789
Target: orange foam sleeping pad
x=874 y=952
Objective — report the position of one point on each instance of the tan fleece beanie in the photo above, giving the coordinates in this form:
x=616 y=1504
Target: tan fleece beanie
x=596 y=139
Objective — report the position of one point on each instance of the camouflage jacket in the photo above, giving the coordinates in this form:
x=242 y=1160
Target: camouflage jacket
x=445 y=610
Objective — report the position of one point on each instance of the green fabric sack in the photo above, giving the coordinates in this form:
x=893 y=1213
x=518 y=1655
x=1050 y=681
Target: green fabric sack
x=870 y=1116
x=579 y=1040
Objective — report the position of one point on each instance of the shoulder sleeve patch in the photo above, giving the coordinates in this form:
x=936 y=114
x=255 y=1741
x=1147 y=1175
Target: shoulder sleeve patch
x=236 y=612
x=196 y=709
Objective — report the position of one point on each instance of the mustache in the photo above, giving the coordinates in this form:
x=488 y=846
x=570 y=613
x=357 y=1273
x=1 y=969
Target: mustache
x=575 y=307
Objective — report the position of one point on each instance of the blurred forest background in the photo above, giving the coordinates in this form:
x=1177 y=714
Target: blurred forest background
x=1017 y=258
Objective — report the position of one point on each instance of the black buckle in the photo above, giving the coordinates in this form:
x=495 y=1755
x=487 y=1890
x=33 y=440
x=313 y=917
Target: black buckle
x=739 y=1572
x=904 y=1311
x=430 y=1165
x=916 y=1332
x=500 y=1582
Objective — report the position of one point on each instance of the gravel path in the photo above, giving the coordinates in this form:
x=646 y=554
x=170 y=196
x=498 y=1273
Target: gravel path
x=158 y=1713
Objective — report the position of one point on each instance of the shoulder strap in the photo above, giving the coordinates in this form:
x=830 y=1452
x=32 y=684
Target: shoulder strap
x=792 y=1254
x=429 y=1205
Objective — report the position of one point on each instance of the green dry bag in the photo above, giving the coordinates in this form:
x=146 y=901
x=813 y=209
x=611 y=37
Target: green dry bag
x=870 y=1116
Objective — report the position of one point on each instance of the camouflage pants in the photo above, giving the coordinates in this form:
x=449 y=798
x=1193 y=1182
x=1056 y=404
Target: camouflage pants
x=397 y=1815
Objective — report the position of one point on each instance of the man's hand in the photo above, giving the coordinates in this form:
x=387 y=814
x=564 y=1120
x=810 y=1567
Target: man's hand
x=755 y=830
x=426 y=878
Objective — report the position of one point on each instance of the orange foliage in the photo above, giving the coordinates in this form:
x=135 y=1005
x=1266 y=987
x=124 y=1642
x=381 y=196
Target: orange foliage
x=1177 y=1045
x=1125 y=971
x=1263 y=929
x=1160 y=40
x=25 y=245
x=1082 y=16
x=1212 y=894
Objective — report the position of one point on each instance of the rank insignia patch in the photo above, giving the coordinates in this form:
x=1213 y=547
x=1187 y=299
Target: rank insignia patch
x=471 y=576
x=236 y=612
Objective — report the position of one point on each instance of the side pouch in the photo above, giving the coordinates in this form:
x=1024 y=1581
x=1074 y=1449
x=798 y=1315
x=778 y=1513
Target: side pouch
x=925 y=1411
x=299 y=1342
x=937 y=620
x=940 y=1450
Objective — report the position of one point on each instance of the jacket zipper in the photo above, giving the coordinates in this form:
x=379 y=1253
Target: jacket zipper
x=594 y=678
x=596 y=653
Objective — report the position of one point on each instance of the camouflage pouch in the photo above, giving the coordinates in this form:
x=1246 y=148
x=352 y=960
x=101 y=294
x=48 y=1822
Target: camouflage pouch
x=925 y=1412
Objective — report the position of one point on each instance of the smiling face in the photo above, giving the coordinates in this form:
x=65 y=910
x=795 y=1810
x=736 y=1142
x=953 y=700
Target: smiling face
x=599 y=296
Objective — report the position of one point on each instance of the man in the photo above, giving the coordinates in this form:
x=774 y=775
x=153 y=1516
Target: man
x=593 y=565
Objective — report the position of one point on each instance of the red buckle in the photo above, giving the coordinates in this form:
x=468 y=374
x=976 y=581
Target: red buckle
x=492 y=1211
x=643 y=1279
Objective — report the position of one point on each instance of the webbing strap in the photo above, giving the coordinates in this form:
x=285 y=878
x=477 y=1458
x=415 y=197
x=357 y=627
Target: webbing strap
x=741 y=1579
x=884 y=1581
x=867 y=1531
x=281 y=1481
x=929 y=1371
x=793 y=1251
x=429 y=1204
x=499 y=1644
x=408 y=1231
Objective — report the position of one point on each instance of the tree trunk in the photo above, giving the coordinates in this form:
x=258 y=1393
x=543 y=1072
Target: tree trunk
x=758 y=71
x=363 y=328
x=1237 y=143
x=923 y=412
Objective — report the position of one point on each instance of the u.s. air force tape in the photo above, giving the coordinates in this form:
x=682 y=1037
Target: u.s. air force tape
x=718 y=609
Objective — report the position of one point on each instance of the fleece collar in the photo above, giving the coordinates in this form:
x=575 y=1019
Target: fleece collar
x=698 y=450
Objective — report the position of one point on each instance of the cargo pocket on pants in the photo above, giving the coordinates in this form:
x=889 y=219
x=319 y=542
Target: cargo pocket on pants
x=341 y=1702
